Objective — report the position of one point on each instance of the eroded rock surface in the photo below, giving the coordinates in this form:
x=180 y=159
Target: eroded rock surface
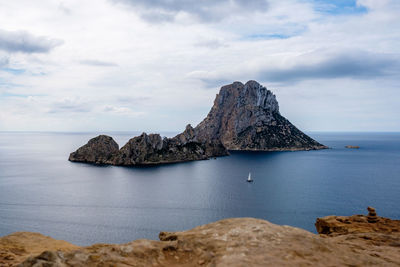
x=153 y=149
x=235 y=242
x=148 y=149
x=343 y=225
x=18 y=246
x=247 y=117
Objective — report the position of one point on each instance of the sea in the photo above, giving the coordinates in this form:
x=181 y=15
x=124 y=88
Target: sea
x=41 y=191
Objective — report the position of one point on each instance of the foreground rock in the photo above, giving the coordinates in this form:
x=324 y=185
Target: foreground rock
x=246 y=117
x=149 y=149
x=18 y=246
x=371 y=223
x=231 y=242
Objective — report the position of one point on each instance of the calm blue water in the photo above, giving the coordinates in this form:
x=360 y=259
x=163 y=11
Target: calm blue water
x=43 y=192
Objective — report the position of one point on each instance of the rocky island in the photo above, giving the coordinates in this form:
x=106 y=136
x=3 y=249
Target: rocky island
x=243 y=117
x=149 y=149
x=351 y=241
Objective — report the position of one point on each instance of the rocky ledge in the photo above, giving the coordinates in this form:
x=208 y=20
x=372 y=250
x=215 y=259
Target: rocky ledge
x=229 y=242
x=148 y=149
x=371 y=223
x=244 y=117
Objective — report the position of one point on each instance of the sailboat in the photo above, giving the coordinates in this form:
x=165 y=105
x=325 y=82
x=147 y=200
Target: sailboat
x=249 y=178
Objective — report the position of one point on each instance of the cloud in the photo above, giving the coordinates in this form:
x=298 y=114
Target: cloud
x=4 y=62
x=98 y=63
x=356 y=65
x=68 y=105
x=129 y=100
x=157 y=11
x=211 y=43
x=122 y=111
x=359 y=65
x=22 y=41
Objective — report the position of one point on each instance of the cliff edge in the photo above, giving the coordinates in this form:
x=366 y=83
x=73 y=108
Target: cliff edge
x=229 y=242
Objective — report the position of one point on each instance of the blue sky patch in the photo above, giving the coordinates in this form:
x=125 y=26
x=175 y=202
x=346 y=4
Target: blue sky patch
x=13 y=71
x=262 y=36
x=339 y=7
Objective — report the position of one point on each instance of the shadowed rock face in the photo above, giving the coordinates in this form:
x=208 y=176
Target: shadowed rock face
x=148 y=149
x=99 y=150
x=234 y=242
x=246 y=117
x=153 y=149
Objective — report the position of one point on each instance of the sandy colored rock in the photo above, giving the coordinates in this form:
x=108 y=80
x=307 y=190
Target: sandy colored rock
x=342 y=225
x=18 y=246
x=236 y=242
x=356 y=147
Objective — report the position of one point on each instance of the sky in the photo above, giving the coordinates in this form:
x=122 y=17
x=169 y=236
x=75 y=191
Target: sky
x=156 y=65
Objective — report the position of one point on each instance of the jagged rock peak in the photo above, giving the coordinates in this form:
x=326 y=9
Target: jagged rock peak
x=252 y=93
x=246 y=117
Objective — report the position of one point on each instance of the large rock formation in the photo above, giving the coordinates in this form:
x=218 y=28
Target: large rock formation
x=246 y=117
x=149 y=149
x=231 y=242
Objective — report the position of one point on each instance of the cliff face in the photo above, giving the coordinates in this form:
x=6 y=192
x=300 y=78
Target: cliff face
x=246 y=117
x=230 y=242
x=148 y=149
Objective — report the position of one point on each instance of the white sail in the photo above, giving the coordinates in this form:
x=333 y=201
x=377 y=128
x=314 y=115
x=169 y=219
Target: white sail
x=249 y=178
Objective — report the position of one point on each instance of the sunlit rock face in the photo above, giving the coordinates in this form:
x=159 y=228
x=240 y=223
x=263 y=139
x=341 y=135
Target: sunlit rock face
x=246 y=117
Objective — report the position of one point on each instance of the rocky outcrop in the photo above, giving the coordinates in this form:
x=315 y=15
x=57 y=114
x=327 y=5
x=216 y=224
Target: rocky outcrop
x=244 y=117
x=234 y=242
x=342 y=225
x=153 y=149
x=18 y=246
x=99 y=150
x=149 y=149
x=247 y=117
